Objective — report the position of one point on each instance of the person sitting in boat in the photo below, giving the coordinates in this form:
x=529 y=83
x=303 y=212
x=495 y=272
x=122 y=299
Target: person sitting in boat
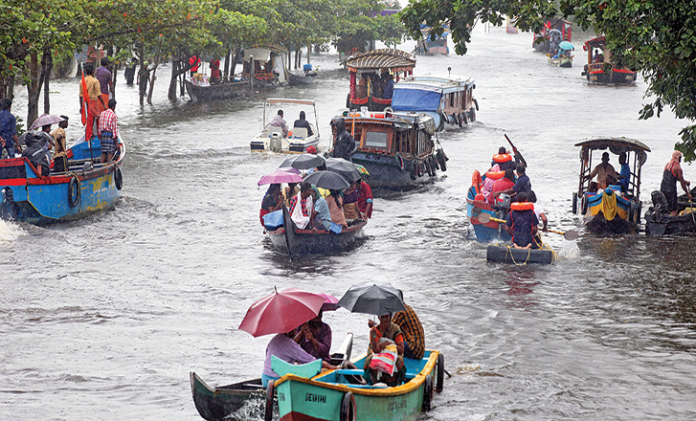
x=36 y=154
x=364 y=199
x=321 y=213
x=522 y=223
x=290 y=191
x=345 y=145
x=414 y=335
x=350 y=203
x=671 y=174
x=388 y=91
x=361 y=89
x=284 y=347
x=381 y=335
x=540 y=214
x=603 y=170
x=504 y=184
x=301 y=122
x=315 y=338
x=279 y=121
x=625 y=172
x=598 y=57
x=272 y=201
x=301 y=207
x=504 y=159
x=492 y=175
x=335 y=202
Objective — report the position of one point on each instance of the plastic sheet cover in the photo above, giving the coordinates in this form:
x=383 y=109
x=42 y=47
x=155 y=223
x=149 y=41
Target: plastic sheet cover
x=415 y=100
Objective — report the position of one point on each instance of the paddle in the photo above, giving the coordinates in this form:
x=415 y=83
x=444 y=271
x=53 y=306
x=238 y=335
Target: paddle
x=514 y=149
x=691 y=208
x=571 y=235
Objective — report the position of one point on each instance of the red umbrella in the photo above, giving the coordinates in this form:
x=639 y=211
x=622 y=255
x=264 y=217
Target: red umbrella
x=281 y=312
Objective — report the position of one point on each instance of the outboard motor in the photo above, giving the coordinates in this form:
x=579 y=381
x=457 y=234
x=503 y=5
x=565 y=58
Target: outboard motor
x=502 y=205
x=276 y=143
x=660 y=205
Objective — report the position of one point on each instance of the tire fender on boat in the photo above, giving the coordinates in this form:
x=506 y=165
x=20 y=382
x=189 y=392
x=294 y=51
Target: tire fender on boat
x=464 y=119
x=459 y=120
x=476 y=103
x=440 y=380
x=348 y=408
x=442 y=159
x=118 y=178
x=400 y=161
x=270 y=391
x=584 y=204
x=455 y=120
x=575 y=203
x=427 y=393
x=74 y=191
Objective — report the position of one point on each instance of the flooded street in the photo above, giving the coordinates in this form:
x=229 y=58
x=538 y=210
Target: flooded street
x=104 y=318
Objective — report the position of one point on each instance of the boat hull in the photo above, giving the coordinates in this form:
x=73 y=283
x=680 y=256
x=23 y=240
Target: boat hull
x=561 y=62
x=60 y=197
x=232 y=402
x=220 y=91
x=622 y=218
x=322 y=397
x=508 y=254
x=491 y=231
x=294 y=242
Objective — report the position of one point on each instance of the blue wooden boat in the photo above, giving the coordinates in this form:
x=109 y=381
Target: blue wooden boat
x=337 y=395
x=450 y=102
x=87 y=186
x=491 y=231
x=397 y=149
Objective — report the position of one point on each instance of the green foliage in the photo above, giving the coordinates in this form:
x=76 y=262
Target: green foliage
x=359 y=22
x=657 y=37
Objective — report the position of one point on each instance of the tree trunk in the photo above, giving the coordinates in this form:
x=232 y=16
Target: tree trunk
x=171 y=94
x=152 y=83
x=227 y=64
x=233 y=65
x=47 y=65
x=309 y=53
x=33 y=89
x=114 y=73
x=142 y=75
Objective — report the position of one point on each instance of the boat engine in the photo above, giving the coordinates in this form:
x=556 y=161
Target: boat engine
x=660 y=207
x=276 y=143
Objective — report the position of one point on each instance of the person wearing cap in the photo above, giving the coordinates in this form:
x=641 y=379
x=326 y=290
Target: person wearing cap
x=671 y=174
x=279 y=121
x=60 y=158
x=302 y=123
x=605 y=172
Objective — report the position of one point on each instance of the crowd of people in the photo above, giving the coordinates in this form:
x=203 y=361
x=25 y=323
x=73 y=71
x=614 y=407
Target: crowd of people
x=312 y=341
x=376 y=86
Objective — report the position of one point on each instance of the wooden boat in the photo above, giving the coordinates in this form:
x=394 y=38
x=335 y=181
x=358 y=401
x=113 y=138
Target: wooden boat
x=565 y=61
x=553 y=33
x=300 y=80
x=264 y=67
x=659 y=221
x=433 y=45
x=87 y=187
x=508 y=254
x=602 y=70
x=293 y=241
x=271 y=138
x=336 y=396
x=450 y=102
x=204 y=91
x=397 y=149
x=610 y=211
x=238 y=401
x=371 y=65
x=491 y=230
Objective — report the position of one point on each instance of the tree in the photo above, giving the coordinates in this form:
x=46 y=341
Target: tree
x=360 y=22
x=656 y=37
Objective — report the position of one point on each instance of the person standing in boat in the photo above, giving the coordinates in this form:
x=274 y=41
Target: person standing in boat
x=95 y=102
x=303 y=123
x=388 y=91
x=8 y=130
x=604 y=171
x=625 y=173
x=108 y=132
x=194 y=61
x=522 y=223
x=344 y=145
x=671 y=174
x=214 y=70
x=279 y=121
x=106 y=85
x=60 y=157
x=504 y=160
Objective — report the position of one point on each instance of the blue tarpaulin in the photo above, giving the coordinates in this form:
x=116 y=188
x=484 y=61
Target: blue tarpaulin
x=273 y=220
x=415 y=100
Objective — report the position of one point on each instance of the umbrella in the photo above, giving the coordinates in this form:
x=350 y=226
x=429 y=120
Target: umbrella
x=565 y=45
x=343 y=167
x=279 y=176
x=372 y=299
x=281 y=312
x=44 y=120
x=328 y=180
x=330 y=302
x=304 y=161
x=289 y=169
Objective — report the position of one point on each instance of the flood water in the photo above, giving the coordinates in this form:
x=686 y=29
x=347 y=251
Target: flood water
x=105 y=317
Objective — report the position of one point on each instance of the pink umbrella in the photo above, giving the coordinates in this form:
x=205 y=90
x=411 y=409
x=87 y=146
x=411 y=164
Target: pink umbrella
x=280 y=176
x=45 y=120
x=330 y=302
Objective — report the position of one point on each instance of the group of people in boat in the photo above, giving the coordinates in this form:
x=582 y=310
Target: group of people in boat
x=376 y=86
x=301 y=122
x=312 y=340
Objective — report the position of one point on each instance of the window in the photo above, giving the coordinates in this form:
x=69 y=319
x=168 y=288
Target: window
x=376 y=140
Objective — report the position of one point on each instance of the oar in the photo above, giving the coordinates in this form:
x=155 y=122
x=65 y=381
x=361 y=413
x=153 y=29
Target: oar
x=691 y=208
x=571 y=235
x=514 y=149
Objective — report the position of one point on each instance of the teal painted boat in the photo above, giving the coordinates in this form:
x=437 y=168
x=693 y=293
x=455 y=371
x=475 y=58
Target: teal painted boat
x=339 y=395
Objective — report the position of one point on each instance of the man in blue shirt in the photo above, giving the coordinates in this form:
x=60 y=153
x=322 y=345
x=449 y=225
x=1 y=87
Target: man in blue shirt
x=522 y=225
x=523 y=185
x=625 y=174
x=389 y=87
x=8 y=129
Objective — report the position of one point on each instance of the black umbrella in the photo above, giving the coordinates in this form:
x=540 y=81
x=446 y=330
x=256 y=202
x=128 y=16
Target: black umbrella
x=343 y=167
x=372 y=299
x=304 y=161
x=328 y=180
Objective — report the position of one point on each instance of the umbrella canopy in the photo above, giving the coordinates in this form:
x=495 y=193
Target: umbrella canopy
x=281 y=312
x=343 y=167
x=304 y=161
x=330 y=302
x=279 y=176
x=566 y=45
x=372 y=299
x=289 y=169
x=44 y=120
x=328 y=180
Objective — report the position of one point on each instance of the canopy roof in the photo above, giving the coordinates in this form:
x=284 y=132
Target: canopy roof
x=598 y=42
x=385 y=58
x=614 y=143
x=273 y=101
x=263 y=53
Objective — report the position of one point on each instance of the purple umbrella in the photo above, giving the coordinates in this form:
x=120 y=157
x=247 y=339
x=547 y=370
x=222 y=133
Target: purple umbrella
x=280 y=176
x=44 y=120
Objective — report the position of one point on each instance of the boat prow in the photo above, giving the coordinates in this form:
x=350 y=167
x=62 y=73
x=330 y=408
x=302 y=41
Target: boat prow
x=243 y=400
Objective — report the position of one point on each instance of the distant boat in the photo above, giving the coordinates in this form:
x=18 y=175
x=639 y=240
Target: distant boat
x=601 y=69
x=85 y=188
x=554 y=32
x=563 y=61
x=271 y=138
x=269 y=69
x=450 y=102
x=433 y=45
x=202 y=91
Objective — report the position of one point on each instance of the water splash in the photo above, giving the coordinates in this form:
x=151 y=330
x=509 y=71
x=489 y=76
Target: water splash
x=570 y=250
x=9 y=232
